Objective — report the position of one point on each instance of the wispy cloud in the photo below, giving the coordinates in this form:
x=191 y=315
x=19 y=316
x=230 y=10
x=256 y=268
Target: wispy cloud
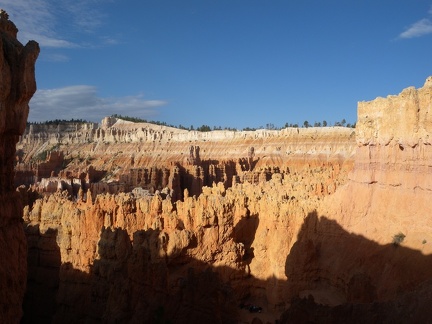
x=82 y=101
x=106 y=40
x=44 y=20
x=85 y=14
x=56 y=57
x=419 y=28
x=35 y=21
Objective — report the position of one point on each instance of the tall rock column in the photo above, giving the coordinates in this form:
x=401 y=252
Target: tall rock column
x=17 y=86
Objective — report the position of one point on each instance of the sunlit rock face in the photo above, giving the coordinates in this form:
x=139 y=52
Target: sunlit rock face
x=17 y=85
x=392 y=175
x=195 y=258
x=366 y=252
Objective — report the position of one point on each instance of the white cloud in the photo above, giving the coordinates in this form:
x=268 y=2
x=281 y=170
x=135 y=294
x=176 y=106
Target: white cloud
x=420 y=28
x=35 y=21
x=83 y=102
x=48 y=41
x=44 y=20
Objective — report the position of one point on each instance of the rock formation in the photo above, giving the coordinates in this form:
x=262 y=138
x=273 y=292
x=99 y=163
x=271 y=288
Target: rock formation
x=366 y=251
x=216 y=202
x=231 y=240
x=17 y=85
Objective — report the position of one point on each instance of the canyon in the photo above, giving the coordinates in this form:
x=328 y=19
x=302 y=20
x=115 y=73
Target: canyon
x=154 y=210
x=136 y=222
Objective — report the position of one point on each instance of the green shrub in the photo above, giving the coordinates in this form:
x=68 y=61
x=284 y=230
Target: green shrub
x=398 y=238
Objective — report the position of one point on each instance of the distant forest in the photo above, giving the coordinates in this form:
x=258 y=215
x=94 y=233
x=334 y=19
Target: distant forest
x=202 y=128
x=59 y=122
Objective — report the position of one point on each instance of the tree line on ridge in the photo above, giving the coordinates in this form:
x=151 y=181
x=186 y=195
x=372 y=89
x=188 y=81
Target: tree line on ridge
x=202 y=128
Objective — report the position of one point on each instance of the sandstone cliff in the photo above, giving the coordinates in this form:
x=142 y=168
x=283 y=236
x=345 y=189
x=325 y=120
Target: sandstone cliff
x=17 y=85
x=368 y=246
x=393 y=165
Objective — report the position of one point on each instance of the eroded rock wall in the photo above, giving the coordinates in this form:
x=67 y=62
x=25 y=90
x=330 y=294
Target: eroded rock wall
x=17 y=85
x=392 y=174
x=368 y=246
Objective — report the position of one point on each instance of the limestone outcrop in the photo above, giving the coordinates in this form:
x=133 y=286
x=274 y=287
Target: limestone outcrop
x=392 y=174
x=17 y=85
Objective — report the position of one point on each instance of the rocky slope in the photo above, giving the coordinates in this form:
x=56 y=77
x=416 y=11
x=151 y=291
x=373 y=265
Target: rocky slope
x=17 y=85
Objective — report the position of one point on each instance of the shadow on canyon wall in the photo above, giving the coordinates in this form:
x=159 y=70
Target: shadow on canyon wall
x=205 y=173
x=365 y=282
x=43 y=276
x=358 y=280
x=244 y=232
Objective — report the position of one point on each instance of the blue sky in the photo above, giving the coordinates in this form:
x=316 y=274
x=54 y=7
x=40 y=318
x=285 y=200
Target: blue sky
x=229 y=63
